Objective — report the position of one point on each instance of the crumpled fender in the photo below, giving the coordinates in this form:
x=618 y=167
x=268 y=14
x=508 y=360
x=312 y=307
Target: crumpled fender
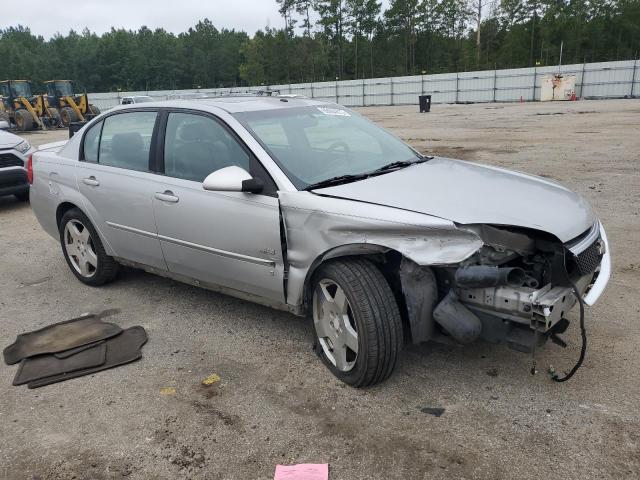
x=319 y=227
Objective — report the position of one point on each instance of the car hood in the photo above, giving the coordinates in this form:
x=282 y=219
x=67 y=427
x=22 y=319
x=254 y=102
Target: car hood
x=470 y=193
x=9 y=140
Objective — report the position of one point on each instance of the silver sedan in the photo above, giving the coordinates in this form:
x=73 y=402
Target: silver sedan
x=306 y=206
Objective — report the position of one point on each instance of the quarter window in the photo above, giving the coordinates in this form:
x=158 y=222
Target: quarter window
x=91 y=142
x=196 y=145
x=126 y=140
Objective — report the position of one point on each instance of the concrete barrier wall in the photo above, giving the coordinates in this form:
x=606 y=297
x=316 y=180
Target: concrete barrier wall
x=593 y=80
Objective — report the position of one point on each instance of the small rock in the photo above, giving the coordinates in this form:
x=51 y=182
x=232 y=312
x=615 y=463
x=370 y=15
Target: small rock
x=435 y=411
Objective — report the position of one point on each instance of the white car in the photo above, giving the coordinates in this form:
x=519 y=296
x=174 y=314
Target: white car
x=14 y=177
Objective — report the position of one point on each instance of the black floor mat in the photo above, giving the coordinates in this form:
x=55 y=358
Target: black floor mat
x=42 y=366
x=124 y=348
x=73 y=351
x=60 y=336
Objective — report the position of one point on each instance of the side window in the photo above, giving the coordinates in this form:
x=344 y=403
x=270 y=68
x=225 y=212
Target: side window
x=196 y=146
x=91 y=141
x=126 y=140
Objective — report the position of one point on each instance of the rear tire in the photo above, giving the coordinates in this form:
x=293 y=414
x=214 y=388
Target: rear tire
x=23 y=197
x=68 y=115
x=24 y=121
x=83 y=250
x=370 y=312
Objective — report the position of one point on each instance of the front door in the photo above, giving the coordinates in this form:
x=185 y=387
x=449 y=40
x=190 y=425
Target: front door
x=229 y=239
x=115 y=181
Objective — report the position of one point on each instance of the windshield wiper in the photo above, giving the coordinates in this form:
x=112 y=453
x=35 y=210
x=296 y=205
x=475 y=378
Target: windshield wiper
x=339 y=180
x=398 y=165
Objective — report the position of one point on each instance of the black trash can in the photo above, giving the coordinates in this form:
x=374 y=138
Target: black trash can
x=425 y=103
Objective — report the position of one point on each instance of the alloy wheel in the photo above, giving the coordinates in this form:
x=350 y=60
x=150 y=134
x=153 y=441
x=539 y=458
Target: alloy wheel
x=80 y=248
x=335 y=325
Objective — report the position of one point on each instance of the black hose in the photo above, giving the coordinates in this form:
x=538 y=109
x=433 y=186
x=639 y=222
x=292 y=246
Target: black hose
x=583 y=332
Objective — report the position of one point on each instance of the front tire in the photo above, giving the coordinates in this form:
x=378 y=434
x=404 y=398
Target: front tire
x=68 y=115
x=83 y=250
x=357 y=321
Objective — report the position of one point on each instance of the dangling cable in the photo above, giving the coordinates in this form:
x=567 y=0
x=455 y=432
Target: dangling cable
x=583 y=332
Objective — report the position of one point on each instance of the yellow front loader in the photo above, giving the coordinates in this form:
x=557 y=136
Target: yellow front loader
x=23 y=109
x=71 y=107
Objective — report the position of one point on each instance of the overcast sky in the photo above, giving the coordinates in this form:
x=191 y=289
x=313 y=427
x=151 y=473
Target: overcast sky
x=48 y=17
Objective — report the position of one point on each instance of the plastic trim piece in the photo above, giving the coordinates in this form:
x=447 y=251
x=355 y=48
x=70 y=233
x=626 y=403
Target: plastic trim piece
x=196 y=246
x=603 y=275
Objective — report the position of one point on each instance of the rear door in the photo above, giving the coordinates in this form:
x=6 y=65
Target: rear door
x=229 y=239
x=115 y=180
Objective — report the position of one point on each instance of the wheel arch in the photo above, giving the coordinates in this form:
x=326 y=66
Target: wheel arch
x=63 y=208
x=391 y=264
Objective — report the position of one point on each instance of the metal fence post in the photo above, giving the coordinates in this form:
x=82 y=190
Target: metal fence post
x=337 y=96
x=495 y=81
x=633 y=77
x=392 y=99
x=422 y=84
x=312 y=91
x=582 y=77
x=364 y=94
x=457 y=83
x=535 y=80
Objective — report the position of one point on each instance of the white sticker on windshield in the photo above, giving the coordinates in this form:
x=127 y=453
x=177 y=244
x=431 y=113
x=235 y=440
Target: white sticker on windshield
x=336 y=112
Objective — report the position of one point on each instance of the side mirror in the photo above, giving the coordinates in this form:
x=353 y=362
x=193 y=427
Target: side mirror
x=232 y=179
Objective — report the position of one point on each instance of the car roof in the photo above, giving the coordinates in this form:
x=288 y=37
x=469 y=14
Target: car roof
x=235 y=104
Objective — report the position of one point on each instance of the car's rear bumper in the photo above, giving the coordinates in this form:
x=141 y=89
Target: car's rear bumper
x=13 y=181
x=603 y=274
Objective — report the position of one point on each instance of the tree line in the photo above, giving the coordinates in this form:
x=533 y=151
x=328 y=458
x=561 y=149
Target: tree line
x=322 y=40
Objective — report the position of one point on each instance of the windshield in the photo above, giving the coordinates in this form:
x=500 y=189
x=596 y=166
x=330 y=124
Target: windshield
x=20 y=89
x=313 y=144
x=64 y=89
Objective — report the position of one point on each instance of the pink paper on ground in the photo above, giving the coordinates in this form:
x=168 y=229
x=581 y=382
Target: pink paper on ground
x=303 y=471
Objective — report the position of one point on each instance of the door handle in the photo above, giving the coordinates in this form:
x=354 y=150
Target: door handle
x=167 y=196
x=91 y=181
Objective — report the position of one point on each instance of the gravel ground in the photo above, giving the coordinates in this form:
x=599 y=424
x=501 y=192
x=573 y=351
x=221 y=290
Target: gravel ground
x=277 y=404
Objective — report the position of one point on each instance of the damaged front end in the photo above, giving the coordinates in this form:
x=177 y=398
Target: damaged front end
x=518 y=287
x=453 y=282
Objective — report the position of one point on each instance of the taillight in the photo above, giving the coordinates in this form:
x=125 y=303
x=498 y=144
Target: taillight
x=30 y=169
